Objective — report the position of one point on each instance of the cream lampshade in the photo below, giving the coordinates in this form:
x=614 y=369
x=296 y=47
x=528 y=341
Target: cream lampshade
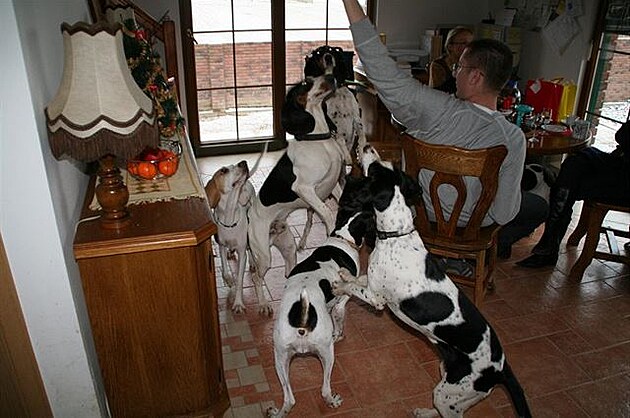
x=99 y=112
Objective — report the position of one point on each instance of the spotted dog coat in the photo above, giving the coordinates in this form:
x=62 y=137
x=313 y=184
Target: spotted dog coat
x=404 y=277
x=311 y=318
x=305 y=175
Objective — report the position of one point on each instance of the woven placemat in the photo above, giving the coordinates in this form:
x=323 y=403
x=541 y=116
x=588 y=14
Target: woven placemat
x=184 y=184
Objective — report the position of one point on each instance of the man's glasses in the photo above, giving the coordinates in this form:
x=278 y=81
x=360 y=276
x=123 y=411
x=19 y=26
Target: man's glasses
x=455 y=68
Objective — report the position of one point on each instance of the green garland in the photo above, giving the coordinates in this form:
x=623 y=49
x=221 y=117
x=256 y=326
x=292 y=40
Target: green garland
x=146 y=69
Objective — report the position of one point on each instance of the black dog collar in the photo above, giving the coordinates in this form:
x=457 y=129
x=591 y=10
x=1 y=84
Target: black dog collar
x=227 y=226
x=392 y=234
x=313 y=137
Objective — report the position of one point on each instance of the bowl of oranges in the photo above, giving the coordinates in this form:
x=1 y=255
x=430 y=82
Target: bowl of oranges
x=156 y=163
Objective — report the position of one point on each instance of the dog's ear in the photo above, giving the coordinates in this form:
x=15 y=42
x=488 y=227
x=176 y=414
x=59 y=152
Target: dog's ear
x=409 y=187
x=295 y=119
x=213 y=193
x=246 y=194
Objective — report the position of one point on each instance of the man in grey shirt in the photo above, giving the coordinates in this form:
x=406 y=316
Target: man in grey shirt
x=469 y=120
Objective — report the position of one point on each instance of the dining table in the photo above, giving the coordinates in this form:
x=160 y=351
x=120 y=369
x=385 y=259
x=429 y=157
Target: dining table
x=555 y=142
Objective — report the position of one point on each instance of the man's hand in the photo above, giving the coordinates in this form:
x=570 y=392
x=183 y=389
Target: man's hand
x=354 y=10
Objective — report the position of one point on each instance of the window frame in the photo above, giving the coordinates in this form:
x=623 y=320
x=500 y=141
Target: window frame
x=278 y=80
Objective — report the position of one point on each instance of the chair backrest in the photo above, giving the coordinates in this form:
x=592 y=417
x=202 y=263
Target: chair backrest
x=451 y=165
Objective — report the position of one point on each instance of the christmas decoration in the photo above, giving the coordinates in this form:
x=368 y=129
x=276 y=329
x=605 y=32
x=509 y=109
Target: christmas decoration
x=146 y=69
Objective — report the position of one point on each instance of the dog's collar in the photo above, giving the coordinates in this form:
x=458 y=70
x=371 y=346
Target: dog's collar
x=227 y=226
x=392 y=234
x=347 y=241
x=313 y=137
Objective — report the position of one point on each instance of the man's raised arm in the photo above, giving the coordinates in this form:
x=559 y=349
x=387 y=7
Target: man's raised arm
x=354 y=11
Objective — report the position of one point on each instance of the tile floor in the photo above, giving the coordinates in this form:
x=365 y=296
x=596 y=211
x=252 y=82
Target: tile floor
x=568 y=342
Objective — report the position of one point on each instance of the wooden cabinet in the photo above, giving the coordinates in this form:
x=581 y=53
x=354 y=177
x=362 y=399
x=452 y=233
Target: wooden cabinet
x=375 y=116
x=151 y=297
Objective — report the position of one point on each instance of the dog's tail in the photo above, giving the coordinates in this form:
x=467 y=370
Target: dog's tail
x=303 y=315
x=257 y=163
x=516 y=392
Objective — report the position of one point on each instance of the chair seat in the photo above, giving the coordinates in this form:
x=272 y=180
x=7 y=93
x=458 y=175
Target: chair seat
x=486 y=239
x=591 y=225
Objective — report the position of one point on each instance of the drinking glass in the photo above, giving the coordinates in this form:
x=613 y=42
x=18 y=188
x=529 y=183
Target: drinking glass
x=538 y=121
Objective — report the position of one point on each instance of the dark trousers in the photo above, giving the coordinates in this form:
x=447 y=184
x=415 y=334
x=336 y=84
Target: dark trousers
x=532 y=213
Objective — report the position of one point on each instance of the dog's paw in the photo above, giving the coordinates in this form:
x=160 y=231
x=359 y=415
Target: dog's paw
x=346 y=276
x=338 y=287
x=238 y=308
x=265 y=310
x=272 y=412
x=334 y=401
x=425 y=413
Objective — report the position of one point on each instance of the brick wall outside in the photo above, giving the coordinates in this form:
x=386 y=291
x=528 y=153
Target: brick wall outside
x=618 y=88
x=215 y=70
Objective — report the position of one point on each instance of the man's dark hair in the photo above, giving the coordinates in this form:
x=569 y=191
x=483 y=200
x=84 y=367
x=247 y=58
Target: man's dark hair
x=493 y=58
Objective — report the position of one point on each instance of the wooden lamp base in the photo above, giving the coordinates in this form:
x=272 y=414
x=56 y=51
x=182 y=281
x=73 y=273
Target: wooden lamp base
x=112 y=194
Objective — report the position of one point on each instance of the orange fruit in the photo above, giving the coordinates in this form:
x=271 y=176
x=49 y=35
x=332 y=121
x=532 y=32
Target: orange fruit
x=168 y=167
x=132 y=168
x=147 y=170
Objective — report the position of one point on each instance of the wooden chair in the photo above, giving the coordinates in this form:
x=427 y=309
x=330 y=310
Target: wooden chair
x=443 y=237
x=591 y=225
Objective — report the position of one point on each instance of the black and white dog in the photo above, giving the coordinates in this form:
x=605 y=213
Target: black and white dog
x=311 y=318
x=306 y=174
x=341 y=107
x=404 y=277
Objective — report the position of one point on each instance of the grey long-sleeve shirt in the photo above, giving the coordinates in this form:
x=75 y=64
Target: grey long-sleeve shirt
x=440 y=118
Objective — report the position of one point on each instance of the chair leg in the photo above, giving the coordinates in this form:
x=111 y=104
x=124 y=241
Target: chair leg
x=582 y=226
x=480 y=279
x=595 y=220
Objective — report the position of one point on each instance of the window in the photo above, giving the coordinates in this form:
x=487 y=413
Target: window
x=607 y=99
x=239 y=58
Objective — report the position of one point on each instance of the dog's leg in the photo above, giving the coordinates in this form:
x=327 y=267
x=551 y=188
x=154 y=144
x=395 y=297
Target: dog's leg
x=358 y=287
x=284 y=241
x=451 y=400
x=227 y=273
x=336 y=191
x=238 y=306
x=307 y=229
x=327 y=357
x=283 y=361
x=258 y=236
x=338 y=315
x=308 y=194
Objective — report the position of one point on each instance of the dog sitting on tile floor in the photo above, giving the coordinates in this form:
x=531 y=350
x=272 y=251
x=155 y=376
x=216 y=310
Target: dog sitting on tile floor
x=310 y=318
x=403 y=276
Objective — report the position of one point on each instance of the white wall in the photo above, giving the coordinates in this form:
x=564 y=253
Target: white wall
x=40 y=199
x=405 y=20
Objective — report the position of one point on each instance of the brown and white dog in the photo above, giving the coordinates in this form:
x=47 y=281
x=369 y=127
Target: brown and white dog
x=230 y=196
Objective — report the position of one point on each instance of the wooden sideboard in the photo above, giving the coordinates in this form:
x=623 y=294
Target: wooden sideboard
x=151 y=297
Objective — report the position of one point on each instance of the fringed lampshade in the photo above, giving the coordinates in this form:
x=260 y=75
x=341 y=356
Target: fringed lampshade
x=99 y=112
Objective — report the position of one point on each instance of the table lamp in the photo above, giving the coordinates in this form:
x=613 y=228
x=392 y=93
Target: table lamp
x=100 y=113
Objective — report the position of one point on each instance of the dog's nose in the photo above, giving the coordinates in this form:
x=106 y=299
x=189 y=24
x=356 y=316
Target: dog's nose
x=301 y=331
x=328 y=59
x=242 y=164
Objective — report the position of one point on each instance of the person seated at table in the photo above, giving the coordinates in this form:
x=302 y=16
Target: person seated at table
x=590 y=174
x=469 y=120
x=536 y=184
x=440 y=69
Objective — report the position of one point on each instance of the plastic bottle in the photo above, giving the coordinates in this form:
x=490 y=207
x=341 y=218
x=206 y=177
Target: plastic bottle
x=509 y=97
